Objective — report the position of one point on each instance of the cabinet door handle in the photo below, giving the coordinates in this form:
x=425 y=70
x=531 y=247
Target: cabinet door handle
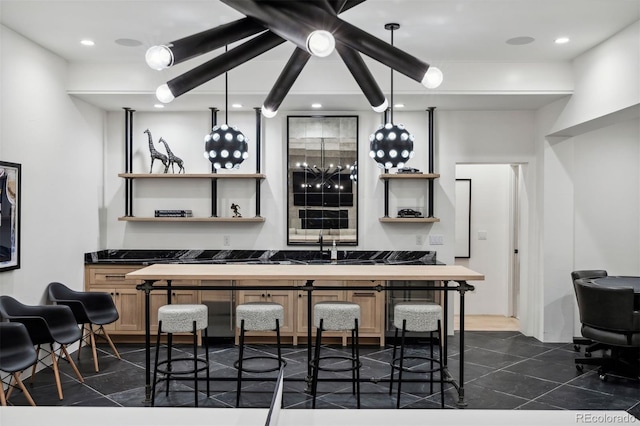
x=114 y=277
x=300 y=295
x=268 y=295
x=263 y=295
x=117 y=293
x=363 y=294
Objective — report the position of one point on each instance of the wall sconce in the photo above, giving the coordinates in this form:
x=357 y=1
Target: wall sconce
x=312 y=26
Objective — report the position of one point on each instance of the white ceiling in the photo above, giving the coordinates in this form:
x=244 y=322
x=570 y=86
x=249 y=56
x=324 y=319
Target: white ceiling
x=436 y=31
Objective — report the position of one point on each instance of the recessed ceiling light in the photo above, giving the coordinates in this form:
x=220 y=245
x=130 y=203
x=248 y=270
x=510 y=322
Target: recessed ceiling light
x=562 y=40
x=519 y=41
x=316 y=105
x=158 y=106
x=236 y=105
x=398 y=106
x=128 y=42
x=87 y=42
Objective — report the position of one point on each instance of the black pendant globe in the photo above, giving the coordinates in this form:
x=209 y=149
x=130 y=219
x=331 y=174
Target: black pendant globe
x=391 y=146
x=226 y=147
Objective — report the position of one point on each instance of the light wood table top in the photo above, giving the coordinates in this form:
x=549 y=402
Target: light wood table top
x=305 y=272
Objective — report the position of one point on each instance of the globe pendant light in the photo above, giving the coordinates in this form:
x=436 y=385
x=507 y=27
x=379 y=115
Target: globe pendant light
x=391 y=145
x=226 y=146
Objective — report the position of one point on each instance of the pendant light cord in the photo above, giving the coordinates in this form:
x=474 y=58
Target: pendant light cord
x=226 y=93
x=391 y=109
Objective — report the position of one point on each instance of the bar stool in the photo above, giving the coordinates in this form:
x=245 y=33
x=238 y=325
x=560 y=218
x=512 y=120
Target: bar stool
x=420 y=317
x=181 y=318
x=257 y=316
x=337 y=316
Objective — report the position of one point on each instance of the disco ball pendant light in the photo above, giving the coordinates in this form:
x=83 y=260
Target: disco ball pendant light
x=391 y=145
x=226 y=146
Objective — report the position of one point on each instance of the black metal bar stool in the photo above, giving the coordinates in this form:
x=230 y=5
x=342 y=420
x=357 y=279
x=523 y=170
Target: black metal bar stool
x=337 y=316
x=420 y=317
x=257 y=316
x=181 y=318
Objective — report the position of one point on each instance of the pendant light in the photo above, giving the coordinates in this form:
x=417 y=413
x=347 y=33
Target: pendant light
x=391 y=145
x=226 y=146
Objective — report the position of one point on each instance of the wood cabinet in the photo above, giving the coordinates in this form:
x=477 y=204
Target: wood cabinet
x=128 y=300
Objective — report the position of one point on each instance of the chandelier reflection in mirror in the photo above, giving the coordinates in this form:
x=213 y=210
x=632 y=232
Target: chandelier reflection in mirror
x=312 y=26
x=326 y=179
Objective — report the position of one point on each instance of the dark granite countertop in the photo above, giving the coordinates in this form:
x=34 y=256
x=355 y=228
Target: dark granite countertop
x=302 y=257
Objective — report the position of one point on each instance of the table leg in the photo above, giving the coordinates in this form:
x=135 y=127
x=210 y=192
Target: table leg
x=147 y=286
x=462 y=290
x=309 y=325
x=445 y=332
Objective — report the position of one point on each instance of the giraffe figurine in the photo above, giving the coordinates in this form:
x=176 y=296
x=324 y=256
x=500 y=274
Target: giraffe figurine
x=156 y=155
x=173 y=159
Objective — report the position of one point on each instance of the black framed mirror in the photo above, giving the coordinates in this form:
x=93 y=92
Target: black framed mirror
x=322 y=180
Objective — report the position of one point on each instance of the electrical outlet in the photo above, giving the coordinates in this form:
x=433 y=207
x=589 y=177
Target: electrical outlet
x=419 y=240
x=436 y=240
x=226 y=240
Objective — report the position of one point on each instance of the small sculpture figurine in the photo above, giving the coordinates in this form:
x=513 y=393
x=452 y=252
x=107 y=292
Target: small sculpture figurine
x=235 y=209
x=155 y=154
x=173 y=159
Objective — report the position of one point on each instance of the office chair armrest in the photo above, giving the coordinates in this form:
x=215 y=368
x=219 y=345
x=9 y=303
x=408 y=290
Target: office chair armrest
x=636 y=321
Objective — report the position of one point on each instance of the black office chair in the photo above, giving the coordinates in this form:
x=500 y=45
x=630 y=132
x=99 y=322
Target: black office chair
x=607 y=316
x=581 y=341
x=46 y=324
x=89 y=308
x=16 y=354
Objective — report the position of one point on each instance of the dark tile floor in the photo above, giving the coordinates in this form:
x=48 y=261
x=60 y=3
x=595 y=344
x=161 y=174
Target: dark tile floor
x=503 y=370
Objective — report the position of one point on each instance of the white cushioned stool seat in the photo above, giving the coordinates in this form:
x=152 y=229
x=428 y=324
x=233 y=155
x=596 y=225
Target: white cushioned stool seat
x=420 y=316
x=259 y=316
x=179 y=318
x=336 y=316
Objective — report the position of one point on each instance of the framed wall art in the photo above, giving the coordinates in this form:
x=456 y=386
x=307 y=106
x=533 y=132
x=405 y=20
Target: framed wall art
x=10 y=193
x=463 y=218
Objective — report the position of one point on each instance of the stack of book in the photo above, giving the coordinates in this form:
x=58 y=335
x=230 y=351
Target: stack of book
x=174 y=213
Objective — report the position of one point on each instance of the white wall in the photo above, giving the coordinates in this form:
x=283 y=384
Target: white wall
x=490 y=214
x=570 y=233
x=58 y=141
x=606 y=178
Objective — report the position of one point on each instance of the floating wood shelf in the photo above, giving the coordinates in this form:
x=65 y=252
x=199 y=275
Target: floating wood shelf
x=409 y=219
x=192 y=176
x=191 y=219
x=409 y=175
